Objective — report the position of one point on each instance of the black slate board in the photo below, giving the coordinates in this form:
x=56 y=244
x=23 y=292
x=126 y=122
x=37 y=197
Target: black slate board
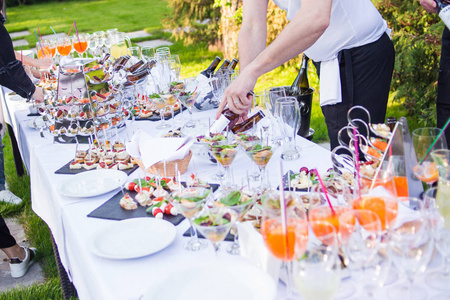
x=111 y=210
x=66 y=170
x=229 y=237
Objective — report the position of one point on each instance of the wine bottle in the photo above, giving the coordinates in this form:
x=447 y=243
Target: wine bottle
x=138 y=76
x=443 y=9
x=227 y=119
x=121 y=62
x=209 y=72
x=223 y=67
x=136 y=66
x=249 y=123
x=104 y=58
x=301 y=83
x=232 y=66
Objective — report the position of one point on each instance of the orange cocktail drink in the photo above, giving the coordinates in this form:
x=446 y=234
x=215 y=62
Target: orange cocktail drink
x=325 y=214
x=401 y=186
x=385 y=207
x=64 y=49
x=282 y=246
x=79 y=46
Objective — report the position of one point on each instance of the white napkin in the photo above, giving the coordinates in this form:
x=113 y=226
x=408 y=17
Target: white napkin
x=253 y=249
x=153 y=150
x=330 y=82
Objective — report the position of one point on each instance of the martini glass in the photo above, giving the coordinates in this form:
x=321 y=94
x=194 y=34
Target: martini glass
x=160 y=104
x=215 y=223
x=189 y=202
x=260 y=152
x=225 y=152
x=188 y=97
x=240 y=202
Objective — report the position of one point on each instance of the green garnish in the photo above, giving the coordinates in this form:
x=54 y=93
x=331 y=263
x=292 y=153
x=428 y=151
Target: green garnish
x=154 y=95
x=210 y=220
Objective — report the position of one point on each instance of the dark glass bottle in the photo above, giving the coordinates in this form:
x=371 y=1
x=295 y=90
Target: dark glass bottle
x=249 y=123
x=223 y=67
x=136 y=66
x=209 y=72
x=104 y=58
x=232 y=65
x=121 y=62
x=137 y=76
x=301 y=83
x=227 y=119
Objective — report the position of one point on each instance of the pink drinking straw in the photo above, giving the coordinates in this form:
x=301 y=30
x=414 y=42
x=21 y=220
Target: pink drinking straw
x=40 y=44
x=357 y=162
x=71 y=28
x=325 y=192
x=40 y=33
x=79 y=43
x=283 y=209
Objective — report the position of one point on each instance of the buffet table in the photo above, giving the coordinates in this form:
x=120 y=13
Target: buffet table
x=99 y=278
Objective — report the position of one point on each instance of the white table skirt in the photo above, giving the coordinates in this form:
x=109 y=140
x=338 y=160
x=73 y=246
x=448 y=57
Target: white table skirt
x=99 y=278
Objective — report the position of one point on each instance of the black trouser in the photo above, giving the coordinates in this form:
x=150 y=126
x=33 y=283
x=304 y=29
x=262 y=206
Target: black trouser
x=366 y=74
x=443 y=92
x=6 y=239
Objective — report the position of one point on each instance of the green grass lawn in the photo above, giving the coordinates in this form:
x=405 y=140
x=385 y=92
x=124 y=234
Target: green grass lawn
x=127 y=16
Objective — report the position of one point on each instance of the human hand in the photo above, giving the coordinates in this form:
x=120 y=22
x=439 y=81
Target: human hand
x=38 y=95
x=237 y=95
x=44 y=63
x=429 y=5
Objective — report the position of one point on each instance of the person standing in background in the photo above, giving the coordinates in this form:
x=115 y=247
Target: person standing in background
x=443 y=92
x=13 y=76
x=348 y=41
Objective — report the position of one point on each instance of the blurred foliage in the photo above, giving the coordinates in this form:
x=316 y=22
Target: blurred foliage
x=417 y=41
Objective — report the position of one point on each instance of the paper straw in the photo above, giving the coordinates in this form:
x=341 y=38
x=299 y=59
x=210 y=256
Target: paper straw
x=357 y=162
x=325 y=192
x=40 y=44
x=283 y=209
x=435 y=141
x=79 y=43
x=54 y=32
x=39 y=33
x=71 y=28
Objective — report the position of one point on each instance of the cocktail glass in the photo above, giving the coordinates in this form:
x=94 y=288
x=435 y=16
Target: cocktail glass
x=79 y=43
x=442 y=160
x=385 y=207
x=189 y=202
x=225 y=152
x=188 y=96
x=160 y=104
x=240 y=202
x=260 y=152
x=215 y=223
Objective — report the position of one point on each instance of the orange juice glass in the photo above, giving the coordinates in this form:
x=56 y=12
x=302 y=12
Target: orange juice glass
x=281 y=246
x=385 y=207
x=401 y=186
x=64 y=46
x=325 y=214
x=44 y=51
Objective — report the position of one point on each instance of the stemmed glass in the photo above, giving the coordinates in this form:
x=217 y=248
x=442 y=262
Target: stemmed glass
x=225 y=152
x=170 y=98
x=99 y=38
x=442 y=160
x=386 y=207
x=423 y=138
x=188 y=97
x=317 y=273
x=360 y=236
x=240 y=202
x=288 y=113
x=189 y=202
x=147 y=53
x=206 y=142
x=287 y=239
x=411 y=247
x=215 y=223
x=79 y=43
x=160 y=104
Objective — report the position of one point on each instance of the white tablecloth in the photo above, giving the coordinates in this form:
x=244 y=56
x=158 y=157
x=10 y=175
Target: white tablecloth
x=99 y=278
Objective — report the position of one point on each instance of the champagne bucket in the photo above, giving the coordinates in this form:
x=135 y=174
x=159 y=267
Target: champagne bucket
x=305 y=103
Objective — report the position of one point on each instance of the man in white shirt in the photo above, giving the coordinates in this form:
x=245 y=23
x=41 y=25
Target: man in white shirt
x=346 y=39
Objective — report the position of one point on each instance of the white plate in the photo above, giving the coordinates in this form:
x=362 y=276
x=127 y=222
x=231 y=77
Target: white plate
x=133 y=238
x=36 y=123
x=16 y=98
x=92 y=183
x=216 y=279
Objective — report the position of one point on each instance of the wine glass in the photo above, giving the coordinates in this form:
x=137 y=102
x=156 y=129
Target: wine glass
x=285 y=233
x=360 y=236
x=426 y=170
x=442 y=160
x=240 y=202
x=170 y=98
x=99 y=38
x=410 y=247
x=440 y=279
x=147 y=53
x=225 y=152
x=188 y=96
x=175 y=66
x=215 y=223
x=79 y=43
x=288 y=113
x=160 y=104
x=188 y=202
x=386 y=207
x=317 y=273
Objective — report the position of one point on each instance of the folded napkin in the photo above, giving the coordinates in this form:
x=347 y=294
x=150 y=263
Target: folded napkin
x=330 y=82
x=153 y=150
x=254 y=249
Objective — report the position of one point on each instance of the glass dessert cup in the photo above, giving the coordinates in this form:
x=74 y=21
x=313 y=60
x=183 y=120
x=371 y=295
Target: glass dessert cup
x=160 y=104
x=170 y=99
x=260 y=153
x=215 y=223
x=225 y=152
x=240 y=202
x=189 y=202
